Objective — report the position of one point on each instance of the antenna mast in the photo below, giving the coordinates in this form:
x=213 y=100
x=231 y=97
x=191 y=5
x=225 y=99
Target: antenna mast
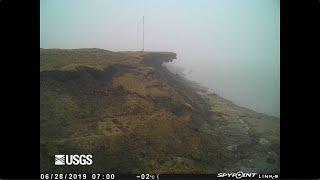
x=142 y=33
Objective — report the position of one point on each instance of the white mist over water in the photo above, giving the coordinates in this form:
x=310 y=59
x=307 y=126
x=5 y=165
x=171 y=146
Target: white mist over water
x=246 y=89
x=230 y=46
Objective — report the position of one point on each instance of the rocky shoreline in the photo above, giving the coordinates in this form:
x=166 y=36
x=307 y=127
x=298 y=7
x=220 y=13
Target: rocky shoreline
x=249 y=141
x=239 y=131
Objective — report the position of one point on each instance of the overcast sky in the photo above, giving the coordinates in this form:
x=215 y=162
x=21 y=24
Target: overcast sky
x=231 y=46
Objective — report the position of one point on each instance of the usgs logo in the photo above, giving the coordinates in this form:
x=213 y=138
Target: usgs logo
x=73 y=159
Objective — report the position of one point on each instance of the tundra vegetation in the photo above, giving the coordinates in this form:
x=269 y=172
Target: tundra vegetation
x=134 y=115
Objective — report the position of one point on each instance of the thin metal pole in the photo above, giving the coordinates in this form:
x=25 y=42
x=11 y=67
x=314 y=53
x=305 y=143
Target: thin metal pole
x=142 y=33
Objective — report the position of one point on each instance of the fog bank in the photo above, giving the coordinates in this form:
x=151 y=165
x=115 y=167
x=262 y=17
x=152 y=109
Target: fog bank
x=230 y=46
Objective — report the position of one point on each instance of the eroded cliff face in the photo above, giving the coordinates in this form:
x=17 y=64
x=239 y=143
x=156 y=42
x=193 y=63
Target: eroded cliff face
x=158 y=58
x=135 y=116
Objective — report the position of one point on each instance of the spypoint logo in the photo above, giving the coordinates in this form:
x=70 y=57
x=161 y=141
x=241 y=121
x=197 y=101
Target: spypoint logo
x=73 y=159
x=237 y=175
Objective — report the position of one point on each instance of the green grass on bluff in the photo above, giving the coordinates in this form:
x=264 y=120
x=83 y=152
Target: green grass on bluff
x=134 y=116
